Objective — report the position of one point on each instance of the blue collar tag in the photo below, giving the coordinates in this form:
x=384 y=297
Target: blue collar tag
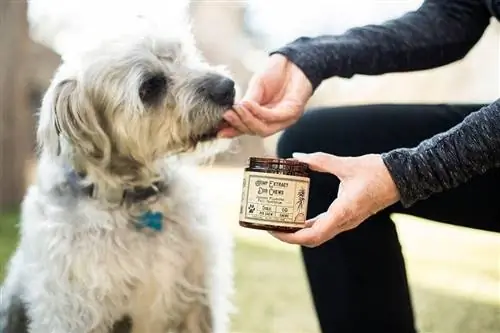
x=150 y=220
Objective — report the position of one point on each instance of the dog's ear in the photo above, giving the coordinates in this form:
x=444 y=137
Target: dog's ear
x=68 y=116
x=48 y=129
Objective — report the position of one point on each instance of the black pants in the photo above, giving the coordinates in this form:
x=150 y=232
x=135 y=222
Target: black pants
x=358 y=279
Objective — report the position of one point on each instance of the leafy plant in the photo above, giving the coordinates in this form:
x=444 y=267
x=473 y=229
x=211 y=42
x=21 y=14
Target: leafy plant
x=301 y=198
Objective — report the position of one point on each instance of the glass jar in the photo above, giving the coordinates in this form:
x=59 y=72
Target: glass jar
x=275 y=194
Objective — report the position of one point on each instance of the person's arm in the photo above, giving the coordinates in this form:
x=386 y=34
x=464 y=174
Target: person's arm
x=448 y=159
x=438 y=33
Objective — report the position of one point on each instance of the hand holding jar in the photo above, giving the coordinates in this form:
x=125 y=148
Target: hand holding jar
x=366 y=187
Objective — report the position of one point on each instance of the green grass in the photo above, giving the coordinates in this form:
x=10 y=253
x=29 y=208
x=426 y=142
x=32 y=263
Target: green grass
x=272 y=295
x=8 y=238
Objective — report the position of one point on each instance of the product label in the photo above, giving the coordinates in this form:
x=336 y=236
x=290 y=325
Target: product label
x=275 y=200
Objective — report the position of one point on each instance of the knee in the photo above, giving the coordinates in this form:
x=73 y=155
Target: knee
x=299 y=137
x=343 y=131
x=310 y=134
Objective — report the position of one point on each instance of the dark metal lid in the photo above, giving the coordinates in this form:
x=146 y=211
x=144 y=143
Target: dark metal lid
x=289 y=167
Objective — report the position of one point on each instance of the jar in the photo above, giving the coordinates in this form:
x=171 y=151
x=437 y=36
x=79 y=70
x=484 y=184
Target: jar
x=275 y=194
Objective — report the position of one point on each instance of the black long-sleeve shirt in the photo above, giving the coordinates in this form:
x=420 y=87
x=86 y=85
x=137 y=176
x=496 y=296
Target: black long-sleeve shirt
x=438 y=33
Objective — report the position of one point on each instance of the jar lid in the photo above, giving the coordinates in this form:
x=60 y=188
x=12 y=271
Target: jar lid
x=278 y=165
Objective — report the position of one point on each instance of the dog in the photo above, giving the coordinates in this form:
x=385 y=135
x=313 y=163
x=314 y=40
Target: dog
x=116 y=234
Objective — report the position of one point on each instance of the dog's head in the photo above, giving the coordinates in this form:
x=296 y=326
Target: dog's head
x=131 y=100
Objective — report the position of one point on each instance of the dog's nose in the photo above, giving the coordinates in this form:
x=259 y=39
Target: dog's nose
x=221 y=91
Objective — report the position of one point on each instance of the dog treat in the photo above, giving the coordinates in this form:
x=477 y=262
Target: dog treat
x=275 y=194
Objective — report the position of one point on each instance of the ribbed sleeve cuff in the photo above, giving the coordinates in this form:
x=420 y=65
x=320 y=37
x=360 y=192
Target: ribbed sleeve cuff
x=402 y=170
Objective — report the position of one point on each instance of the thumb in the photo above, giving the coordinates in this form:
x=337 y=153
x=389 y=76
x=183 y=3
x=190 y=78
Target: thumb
x=256 y=85
x=255 y=90
x=323 y=162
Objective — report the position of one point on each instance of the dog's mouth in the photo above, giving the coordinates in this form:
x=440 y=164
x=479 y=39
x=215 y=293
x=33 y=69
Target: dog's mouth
x=212 y=133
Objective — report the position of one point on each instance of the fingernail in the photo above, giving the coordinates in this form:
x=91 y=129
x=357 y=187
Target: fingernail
x=237 y=108
x=225 y=134
x=246 y=104
x=299 y=155
x=243 y=106
x=309 y=223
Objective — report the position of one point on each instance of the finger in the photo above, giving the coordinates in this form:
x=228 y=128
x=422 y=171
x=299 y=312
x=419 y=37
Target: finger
x=255 y=90
x=301 y=237
x=228 y=133
x=283 y=112
x=255 y=125
x=323 y=162
x=313 y=220
x=234 y=120
x=313 y=235
x=267 y=116
x=256 y=85
x=322 y=228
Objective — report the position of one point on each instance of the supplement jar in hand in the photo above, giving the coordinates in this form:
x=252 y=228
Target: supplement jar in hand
x=275 y=194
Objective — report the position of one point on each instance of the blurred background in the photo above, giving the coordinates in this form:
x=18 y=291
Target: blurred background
x=454 y=272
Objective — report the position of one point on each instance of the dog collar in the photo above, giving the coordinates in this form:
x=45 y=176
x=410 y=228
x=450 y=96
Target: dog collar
x=130 y=195
x=150 y=220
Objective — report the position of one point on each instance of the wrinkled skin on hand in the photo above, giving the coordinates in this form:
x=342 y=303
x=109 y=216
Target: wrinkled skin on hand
x=275 y=99
x=366 y=187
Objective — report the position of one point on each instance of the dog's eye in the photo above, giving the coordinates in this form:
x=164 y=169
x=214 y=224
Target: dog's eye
x=153 y=88
x=167 y=58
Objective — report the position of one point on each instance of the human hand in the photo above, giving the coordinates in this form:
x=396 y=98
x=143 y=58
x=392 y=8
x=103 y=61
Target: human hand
x=366 y=187
x=274 y=100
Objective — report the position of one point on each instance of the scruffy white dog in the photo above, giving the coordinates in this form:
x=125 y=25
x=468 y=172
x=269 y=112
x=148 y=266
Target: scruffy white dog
x=115 y=233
